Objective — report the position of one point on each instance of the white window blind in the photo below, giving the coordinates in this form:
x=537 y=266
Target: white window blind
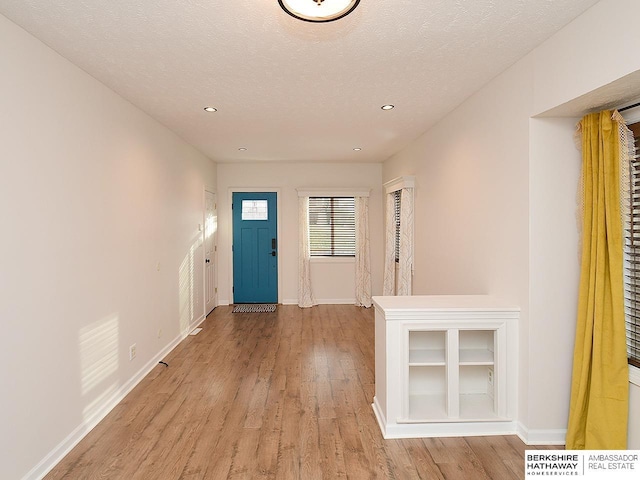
x=632 y=258
x=396 y=219
x=332 y=227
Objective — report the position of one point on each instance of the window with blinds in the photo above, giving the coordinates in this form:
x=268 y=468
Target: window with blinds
x=396 y=219
x=632 y=259
x=332 y=226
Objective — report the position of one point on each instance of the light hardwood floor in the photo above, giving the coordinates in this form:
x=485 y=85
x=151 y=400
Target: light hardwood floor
x=284 y=395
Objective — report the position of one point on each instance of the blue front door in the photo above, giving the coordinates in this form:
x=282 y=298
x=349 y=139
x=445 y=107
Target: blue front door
x=255 y=248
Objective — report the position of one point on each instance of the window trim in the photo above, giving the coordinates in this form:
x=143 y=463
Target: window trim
x=339 y=259
x=399 y=183
x=334 y=192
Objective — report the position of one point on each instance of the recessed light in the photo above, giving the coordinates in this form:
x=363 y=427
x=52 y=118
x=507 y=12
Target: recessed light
x=387 y=107
x=210 y=109
x=357 y=149
x=242 y=149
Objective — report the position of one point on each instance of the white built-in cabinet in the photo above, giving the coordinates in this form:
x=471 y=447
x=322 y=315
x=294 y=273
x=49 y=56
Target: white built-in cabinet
x=445 y=365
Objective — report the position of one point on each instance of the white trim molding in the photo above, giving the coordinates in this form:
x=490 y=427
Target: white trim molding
x=323 y=301
x=334 y=192
x=541 y=437
x=351 y=260
x=399 y=183
x=634 y=375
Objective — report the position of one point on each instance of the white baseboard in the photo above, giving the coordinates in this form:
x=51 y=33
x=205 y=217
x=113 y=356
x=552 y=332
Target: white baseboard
x=541 y=437
x=382 y=421
x=323 y=301
x=336 y=301
x=63 y=448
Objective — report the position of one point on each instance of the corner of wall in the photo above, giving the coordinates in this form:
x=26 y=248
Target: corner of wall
x=63 y=448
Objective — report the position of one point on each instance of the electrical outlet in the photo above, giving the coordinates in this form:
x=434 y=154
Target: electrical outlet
x=159 y=332
x=132 y=352
x=490 y=376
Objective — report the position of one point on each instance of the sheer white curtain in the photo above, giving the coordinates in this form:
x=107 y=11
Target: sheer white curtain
x=363 y=264
x=403 y=284
x=389 y=286
x=305 y=295
x=405 y=266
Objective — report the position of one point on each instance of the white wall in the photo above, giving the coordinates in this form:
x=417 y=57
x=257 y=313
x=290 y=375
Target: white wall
x=575 y=72
x=597 y=48
x=332 y=281
x=471 y=211
x=634 y=416
x=94 y=197
x=554 y=171
x=496 y=197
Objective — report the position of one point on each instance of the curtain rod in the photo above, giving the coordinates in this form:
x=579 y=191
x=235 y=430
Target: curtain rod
x=629 y=107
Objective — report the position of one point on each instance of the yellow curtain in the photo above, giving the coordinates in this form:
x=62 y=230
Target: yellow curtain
x=600 y=384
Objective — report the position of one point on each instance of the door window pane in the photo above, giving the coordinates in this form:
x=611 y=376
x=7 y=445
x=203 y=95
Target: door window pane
x=255 y=210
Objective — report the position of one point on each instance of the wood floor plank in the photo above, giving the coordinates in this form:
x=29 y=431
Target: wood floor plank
x=271 y=396
x=331 y=449
x=421 y=459
x=495 y=455
x=455 y=458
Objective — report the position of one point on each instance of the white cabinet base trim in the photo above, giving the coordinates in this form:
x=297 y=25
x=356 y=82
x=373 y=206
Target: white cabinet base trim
x=441 y=429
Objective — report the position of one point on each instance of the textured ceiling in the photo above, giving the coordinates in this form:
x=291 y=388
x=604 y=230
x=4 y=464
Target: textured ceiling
x=288 y=90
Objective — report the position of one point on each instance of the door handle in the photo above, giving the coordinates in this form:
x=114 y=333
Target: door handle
x=273 y=254
x=207 y=261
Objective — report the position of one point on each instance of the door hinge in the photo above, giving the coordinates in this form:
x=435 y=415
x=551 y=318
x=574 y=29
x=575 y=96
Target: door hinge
x=233 y=289
x=215 y=290
x=215 y=249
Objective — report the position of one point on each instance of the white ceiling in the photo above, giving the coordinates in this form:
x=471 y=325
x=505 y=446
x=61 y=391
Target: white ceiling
x=288 y=90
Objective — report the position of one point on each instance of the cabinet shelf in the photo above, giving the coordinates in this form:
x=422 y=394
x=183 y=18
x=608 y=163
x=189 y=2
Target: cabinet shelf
x=476 y=356
x=426 y=357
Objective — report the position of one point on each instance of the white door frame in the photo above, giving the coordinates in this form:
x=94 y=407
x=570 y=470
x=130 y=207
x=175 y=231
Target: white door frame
x=211 y=191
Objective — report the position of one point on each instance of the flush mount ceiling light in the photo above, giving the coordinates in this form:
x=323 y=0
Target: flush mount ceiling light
x=357 y=149
x=318 y=10
x=387 y=107
x=210 y=109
